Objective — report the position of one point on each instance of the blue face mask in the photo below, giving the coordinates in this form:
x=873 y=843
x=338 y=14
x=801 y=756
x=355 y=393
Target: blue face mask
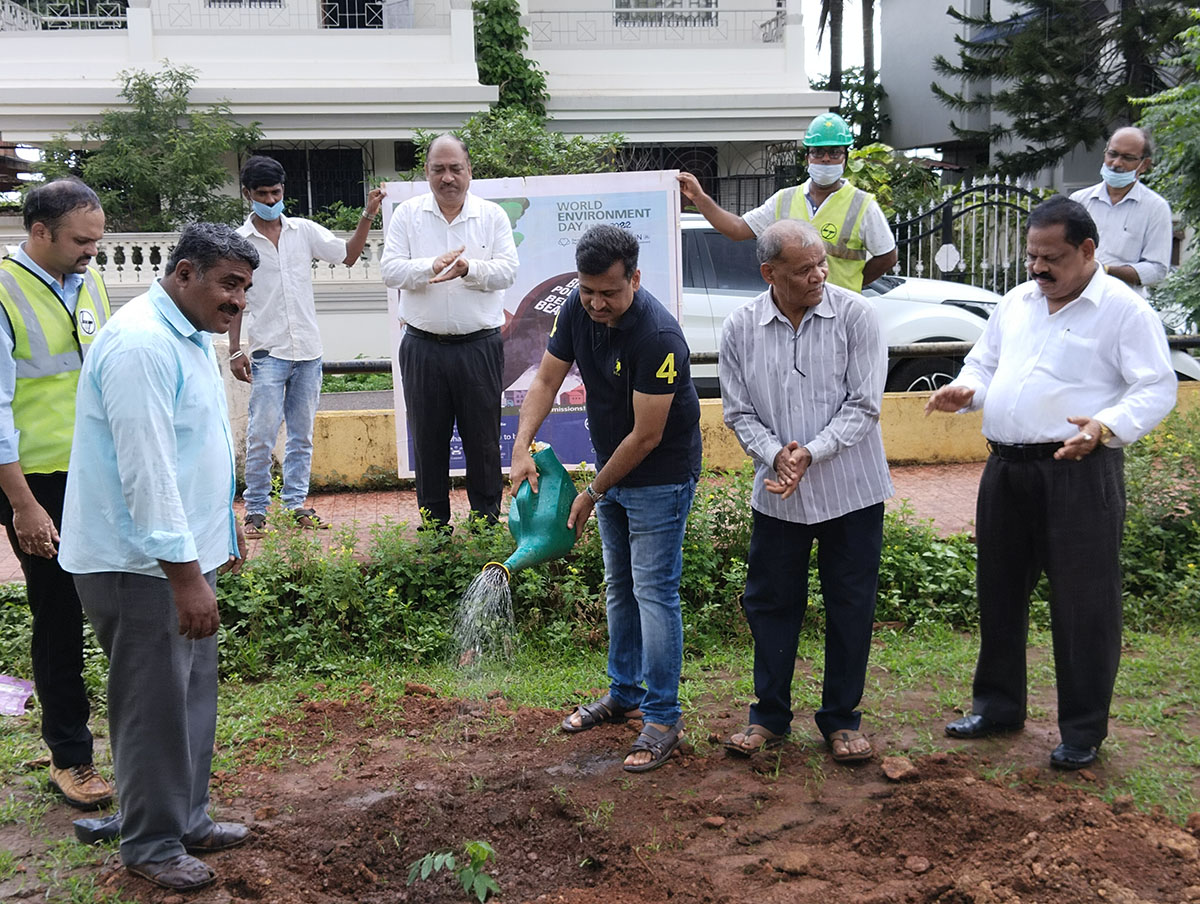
x=270 y=212
x=1117 y=179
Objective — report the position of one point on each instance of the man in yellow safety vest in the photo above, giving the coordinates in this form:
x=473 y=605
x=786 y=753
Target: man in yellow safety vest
x=858 y=241
x=53 y=304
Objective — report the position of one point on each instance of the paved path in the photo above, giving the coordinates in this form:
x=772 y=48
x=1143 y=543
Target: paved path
x=943 y=493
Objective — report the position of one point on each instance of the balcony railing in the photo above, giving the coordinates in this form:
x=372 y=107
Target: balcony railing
x=654 y=27
x=222 y=15
x=53 y=15
x=137 y=259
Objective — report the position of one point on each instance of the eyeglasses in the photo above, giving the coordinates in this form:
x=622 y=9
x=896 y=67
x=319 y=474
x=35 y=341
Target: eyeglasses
x=826 y=153
x=1131 y=159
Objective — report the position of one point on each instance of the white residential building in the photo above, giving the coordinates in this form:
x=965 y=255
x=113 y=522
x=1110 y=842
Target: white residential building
x=340 y=86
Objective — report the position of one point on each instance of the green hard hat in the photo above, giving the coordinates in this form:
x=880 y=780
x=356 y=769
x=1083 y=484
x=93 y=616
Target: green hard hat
x=828 y=131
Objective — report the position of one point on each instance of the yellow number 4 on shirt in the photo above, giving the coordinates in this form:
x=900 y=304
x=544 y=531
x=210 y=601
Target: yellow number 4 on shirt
x=667 y=370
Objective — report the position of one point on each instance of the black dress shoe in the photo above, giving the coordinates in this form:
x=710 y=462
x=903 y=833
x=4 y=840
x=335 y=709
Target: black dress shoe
x=1066 y=756
x=977 y=726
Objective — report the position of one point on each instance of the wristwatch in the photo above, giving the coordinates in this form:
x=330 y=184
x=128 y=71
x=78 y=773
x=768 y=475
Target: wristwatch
x=1106 y=433
x=592 y=494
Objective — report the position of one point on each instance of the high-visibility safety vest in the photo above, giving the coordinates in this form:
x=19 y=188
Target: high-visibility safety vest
x=839 y=220
x=48 y=349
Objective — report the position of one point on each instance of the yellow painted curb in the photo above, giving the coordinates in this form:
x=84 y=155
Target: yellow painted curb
x=358 y=448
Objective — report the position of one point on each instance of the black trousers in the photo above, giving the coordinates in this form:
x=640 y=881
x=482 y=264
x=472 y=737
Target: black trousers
x=1066 y=519
x=444 y=384
x=775 y=600
x=57 y=646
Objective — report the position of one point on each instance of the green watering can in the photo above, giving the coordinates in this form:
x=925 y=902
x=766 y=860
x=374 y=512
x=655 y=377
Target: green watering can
x=538 y=521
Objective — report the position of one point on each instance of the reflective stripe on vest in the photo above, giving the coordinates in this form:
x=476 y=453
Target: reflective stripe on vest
x=840 y=219
x=48 y=351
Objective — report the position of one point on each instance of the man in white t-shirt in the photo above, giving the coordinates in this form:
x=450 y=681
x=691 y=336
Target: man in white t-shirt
x=284 y=362
x=859 y=243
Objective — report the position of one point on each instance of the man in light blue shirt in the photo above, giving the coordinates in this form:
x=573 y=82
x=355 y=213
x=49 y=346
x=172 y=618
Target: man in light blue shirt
x=147 y=523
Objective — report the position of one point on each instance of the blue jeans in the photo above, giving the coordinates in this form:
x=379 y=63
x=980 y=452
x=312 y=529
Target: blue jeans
x=641 y=531
x=281 y=391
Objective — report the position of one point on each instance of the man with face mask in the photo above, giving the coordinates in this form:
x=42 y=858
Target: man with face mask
x=1134 y=222
x=284 y=363
x=858 y=241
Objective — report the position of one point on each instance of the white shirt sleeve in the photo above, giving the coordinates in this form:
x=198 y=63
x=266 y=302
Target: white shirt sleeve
x=397 y=266
x=875 y=231
x=500 y=270
x=324 y=245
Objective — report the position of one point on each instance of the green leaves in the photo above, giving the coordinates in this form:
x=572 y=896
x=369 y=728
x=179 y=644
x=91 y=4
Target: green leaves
x=1057 y=73
x=471 y=876
x=515 y=142
x=160 y=164
x=500 y=57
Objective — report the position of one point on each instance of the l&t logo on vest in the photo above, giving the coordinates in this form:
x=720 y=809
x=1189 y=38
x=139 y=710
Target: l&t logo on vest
x=829 y=231
x=87 y=323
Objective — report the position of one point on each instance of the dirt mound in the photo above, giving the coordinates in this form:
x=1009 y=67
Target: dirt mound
x=363 y=790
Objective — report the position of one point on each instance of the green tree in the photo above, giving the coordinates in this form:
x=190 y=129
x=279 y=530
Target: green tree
x=500 y=56
x=514 y=142
x=1173 y=117
x=1057 y=74
x=861 y=106
x=158 y=163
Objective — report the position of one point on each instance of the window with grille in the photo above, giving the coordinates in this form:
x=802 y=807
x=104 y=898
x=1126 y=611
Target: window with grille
x=665 y=13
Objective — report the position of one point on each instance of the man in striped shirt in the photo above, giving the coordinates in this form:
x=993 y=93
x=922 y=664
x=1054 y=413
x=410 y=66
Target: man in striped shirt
x=802 y=369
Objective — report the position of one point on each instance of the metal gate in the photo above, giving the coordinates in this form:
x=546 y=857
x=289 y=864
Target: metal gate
x=975 y=235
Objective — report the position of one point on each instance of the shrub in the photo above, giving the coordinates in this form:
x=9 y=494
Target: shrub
x=1160 y=555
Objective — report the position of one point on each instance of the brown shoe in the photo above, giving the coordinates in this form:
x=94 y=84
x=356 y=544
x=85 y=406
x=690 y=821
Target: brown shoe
x=307 y=519
x=224 y=835
x=182 y=872
x=81 y=786
x=255 y=527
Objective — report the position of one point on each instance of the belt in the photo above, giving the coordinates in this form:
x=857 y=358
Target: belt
x=1023 y=451
x=451 y=338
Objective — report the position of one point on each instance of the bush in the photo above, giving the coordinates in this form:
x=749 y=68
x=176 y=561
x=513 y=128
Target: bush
x=923 y=578
x=1160 y=554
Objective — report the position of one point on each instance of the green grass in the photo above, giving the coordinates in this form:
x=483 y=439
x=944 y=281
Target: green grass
x=356 y=382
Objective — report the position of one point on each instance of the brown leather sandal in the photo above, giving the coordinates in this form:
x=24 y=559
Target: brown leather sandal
x=606 y=709
x=754 y=738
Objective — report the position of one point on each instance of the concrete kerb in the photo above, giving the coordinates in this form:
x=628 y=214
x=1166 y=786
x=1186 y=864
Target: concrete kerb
x=357 y=449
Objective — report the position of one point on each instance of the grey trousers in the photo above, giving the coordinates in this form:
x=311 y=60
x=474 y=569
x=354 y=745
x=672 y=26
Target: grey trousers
x=162 y=711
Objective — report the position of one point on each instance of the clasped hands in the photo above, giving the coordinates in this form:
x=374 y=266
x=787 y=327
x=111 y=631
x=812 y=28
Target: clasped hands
x=450 y=265
x=791 y=463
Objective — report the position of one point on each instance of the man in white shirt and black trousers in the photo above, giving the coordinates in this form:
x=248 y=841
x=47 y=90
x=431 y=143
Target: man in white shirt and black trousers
x=1071 y=367
x=452 y=255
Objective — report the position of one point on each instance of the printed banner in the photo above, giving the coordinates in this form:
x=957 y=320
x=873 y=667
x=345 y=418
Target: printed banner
x=548 y=215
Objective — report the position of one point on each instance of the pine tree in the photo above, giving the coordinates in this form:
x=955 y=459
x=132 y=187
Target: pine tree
x=1058 y=74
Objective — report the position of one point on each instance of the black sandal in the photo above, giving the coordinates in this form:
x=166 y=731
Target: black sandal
x=661 y=744
x=606 y=709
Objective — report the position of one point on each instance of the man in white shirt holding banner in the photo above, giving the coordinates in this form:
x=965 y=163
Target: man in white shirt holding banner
x=1071 y=367
x=452 y=255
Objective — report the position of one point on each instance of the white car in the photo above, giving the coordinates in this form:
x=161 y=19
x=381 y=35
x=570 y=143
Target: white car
x=720 y=275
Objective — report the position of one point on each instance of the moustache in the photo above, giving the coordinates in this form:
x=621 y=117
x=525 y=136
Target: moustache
x=1044 y=277
x=231 y=309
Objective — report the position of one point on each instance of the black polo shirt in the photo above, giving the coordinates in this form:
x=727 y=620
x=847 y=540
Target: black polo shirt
x=645 y=352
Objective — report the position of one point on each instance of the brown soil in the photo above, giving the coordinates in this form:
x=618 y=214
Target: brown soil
x=388 y=784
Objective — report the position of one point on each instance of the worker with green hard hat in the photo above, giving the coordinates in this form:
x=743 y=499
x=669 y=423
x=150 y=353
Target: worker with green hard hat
x=858 y=241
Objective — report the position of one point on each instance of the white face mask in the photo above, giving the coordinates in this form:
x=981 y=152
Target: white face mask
x=825 y=173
